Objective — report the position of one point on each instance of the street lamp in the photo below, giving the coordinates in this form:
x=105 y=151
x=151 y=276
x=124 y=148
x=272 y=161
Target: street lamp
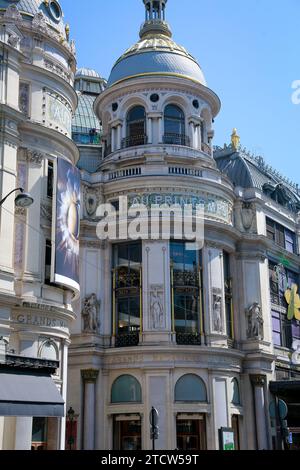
x=71 y=416
x=23 y=200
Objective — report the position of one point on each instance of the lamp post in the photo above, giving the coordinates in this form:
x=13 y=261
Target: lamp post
x=71 y=416
x=23 y=199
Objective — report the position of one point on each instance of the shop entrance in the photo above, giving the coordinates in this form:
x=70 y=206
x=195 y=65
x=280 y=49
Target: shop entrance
x=191 y=432
x=127 y=432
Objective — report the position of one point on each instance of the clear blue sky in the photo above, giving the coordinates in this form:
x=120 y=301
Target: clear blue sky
x=249 y=51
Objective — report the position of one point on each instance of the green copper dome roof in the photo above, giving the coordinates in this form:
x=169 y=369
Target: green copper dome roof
x=29 y=8
x=85 y=119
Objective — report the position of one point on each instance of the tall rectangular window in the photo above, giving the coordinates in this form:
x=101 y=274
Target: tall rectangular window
x=187 y=299
x=281 y=236
x=50 y=178
x=228 y=296
x=285 y=331
x=48 y=257
x=127 y=293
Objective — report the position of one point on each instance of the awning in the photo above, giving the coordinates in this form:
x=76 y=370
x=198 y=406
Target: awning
x=30 y=395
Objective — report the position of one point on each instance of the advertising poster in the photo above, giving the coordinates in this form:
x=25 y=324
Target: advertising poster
x=67 y=225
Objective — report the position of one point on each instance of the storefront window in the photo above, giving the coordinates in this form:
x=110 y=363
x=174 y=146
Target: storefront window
x=187 y=301
x=127 y=293
x=191 y=433
x=127 y=433
x=39 y=434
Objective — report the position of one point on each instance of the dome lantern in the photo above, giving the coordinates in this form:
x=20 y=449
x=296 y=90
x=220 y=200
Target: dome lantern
x=155 y=16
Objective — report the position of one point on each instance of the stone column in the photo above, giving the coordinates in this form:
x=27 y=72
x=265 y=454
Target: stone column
x=113 y=143
x=258 y=382
x=150 y=136
x=192 y=134
x=89 y=378
x=118 y=137
x=160 y=130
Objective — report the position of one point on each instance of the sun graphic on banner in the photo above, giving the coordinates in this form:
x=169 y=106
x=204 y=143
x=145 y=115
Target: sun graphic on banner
x=69 y=220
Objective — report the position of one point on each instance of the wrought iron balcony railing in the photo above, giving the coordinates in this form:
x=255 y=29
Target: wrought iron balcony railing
x=134 y=141
x=188 y=339
x=176 y=139
x=126 y=340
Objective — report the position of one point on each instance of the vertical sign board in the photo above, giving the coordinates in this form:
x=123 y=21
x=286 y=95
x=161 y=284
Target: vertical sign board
x=226 y=436
x=66 y=225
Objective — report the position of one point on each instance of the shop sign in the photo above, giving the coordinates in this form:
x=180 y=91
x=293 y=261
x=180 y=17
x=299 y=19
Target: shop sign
x=214 y=206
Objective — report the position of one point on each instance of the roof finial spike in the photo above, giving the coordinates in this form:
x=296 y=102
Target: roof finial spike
x=235 y=139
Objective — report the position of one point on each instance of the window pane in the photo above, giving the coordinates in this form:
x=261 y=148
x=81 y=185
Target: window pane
x=277 y=339
x=190 y=388
x=126 y=389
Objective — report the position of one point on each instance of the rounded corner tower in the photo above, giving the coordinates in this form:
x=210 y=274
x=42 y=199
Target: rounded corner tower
x=156 y=72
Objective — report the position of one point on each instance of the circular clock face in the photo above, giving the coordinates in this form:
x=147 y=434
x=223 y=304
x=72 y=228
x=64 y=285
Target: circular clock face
x=55 y=10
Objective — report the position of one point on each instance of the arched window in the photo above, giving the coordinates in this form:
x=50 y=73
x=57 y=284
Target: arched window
x=174 y=126
x=236 y=398
x=136 y=127
x=190 y=388
x=126 y=389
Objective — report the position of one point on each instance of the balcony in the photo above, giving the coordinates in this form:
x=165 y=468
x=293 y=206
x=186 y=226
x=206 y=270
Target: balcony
x=176 y=139
x=188 y=339
x=127 y=340
x=134 y=141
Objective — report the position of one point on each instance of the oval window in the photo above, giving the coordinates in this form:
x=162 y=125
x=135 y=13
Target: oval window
x=55 y=10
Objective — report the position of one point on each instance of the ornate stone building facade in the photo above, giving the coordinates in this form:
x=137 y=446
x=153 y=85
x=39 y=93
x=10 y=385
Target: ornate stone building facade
x=209 y=338
x=37 y=101
x=199 y=336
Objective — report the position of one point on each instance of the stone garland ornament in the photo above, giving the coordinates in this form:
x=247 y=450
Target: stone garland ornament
x=90 y=314
x=255 y=328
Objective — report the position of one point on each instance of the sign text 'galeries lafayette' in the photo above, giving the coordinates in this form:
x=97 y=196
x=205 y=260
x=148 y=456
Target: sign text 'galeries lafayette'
x=214 y=207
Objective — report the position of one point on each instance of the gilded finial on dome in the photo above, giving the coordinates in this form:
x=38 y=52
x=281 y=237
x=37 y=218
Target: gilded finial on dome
x=235 y=139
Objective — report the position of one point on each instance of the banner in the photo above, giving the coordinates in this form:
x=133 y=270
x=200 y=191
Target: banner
x=67 y=225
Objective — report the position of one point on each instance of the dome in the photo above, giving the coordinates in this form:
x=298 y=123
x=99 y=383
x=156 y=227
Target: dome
x=86 y=128
x=156 y=54
x=88 y=73
x=29 y=8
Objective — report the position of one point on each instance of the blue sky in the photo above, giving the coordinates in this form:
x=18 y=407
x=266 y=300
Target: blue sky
x=249 y=51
